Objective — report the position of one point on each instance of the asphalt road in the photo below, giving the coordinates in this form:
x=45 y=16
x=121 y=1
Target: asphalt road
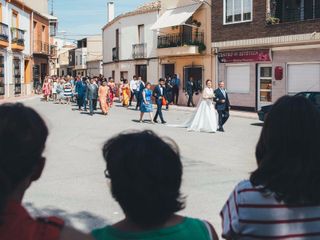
x=73 y=184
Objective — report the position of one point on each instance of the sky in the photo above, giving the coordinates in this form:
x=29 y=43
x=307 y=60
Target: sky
x=79 y=18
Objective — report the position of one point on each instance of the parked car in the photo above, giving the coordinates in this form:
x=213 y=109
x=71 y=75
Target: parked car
x=314 y=97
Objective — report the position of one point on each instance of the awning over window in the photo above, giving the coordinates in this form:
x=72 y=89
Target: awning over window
x=176 y=16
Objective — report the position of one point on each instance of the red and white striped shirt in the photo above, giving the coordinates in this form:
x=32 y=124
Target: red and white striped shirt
x=249 y=214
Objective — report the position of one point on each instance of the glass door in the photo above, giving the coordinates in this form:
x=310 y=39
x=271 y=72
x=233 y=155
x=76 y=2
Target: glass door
x=264 y=86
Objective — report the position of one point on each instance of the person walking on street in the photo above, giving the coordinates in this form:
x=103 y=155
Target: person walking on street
x=46 y=90
x=92 y=95
x=133 y=89
x=125 y=93
x=169 y=89
x=190 y=91
x=80 y=89
x=54 y=90
x=103 y=97
x=175 y=89
x=160 y=95
x=146 y=104
x=222 y=105
x=112 y=91
x=141 y=85
x=67 y=90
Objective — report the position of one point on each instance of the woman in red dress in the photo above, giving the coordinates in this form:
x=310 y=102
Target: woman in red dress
x=112 y=91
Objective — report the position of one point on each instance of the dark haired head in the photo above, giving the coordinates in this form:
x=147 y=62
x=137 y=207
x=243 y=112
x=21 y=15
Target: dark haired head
x=145 y=173
x=288 y=152
x=162 y=80
x=23 y=134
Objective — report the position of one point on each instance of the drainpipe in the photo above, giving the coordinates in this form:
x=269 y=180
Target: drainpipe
x=216 y=51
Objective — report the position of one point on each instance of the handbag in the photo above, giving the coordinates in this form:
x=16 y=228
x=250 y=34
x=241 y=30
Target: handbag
x=164 y=101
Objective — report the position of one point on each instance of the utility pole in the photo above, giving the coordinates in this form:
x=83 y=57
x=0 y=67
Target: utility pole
x=52 y=8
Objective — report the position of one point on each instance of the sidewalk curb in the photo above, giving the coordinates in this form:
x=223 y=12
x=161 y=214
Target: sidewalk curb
x=19 y=99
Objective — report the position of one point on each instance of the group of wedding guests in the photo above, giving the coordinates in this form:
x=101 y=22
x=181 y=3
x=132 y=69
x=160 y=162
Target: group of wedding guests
x=87 y=92
x=280 y=199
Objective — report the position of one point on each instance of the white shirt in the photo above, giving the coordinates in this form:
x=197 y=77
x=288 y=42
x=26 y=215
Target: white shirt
x=161 y=90
x=133 y=85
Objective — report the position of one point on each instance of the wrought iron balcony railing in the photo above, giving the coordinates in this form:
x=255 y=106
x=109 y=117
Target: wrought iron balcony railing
x=17 y=36
x=298 y=14
x=41 y=47
x=115 y=54
x=180 y=39
x=4 y=32
x=139 y=51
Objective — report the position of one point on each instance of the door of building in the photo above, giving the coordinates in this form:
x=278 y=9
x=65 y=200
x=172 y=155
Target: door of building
x=264 y=85
x=168 y=70
x=303 y=77
x=141 y=71
x=196 y=73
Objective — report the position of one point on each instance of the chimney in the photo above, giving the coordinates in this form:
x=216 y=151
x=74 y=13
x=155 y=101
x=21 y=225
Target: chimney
x=110 y=11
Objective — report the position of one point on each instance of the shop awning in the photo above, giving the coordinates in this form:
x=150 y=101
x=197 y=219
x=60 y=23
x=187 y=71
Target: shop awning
x=176 y=16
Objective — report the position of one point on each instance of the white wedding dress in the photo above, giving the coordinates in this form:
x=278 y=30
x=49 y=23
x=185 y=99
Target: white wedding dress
x=204 y=118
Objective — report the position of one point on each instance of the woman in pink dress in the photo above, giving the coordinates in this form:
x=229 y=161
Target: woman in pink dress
x=46 y=90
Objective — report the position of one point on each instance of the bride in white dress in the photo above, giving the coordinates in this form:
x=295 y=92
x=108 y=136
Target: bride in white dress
x=204 y=119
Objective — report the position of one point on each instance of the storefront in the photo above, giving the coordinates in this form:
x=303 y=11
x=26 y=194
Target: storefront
x=248 y=77
x=259 y=77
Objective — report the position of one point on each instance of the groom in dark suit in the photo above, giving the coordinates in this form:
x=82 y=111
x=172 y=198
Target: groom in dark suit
x=222 y=105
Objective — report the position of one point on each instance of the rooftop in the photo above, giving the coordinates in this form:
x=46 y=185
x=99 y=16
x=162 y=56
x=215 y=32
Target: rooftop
x=145 y=8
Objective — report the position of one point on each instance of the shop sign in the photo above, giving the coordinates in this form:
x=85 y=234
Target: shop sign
x=263 y=55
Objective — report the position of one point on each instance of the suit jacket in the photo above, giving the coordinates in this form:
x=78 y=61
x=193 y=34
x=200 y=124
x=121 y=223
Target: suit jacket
x=218 y=99
x=190 y=87
x=92 y=91
x=157 y=93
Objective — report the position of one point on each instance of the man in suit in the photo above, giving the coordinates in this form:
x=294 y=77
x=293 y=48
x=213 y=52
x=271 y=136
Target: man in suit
x=175 y=89
x=190 y=91
x=222 y=105
x=92 y=95
x=140 y=86
x=159 y=93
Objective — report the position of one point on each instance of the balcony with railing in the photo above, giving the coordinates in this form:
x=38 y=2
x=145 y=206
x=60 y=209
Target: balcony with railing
x=4 y=35
x=115 y=54
x=40 y=47
x=181 y=44
x=17 y=39
x=139 y=51
x=285 y=11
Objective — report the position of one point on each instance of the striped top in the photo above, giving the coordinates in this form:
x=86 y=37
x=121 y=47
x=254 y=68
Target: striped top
x=67 y=90
x=249 y=214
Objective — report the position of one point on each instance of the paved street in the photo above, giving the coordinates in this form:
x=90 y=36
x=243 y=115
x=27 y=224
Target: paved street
x=73 y=184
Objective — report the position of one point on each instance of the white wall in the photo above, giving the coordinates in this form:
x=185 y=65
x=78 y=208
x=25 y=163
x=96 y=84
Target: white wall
x=128 y=34
x=81 y=53
x=40 y=6
x=94 y=46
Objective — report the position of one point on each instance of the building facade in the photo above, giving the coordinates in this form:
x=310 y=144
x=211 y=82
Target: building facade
x=41 y=48
x=15 y=52
x=130 y=46
x=184 y=42
x=266 y=49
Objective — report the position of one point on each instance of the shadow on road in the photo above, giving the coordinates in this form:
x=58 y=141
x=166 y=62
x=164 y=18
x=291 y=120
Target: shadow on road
x=257 y=124
x=83 y=220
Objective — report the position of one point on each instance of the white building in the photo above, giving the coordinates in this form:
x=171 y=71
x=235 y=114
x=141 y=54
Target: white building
x=88 y=56
x=14 y=49
x=129 y=46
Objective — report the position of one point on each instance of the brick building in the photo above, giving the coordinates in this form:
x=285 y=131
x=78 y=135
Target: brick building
x=266 y=49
